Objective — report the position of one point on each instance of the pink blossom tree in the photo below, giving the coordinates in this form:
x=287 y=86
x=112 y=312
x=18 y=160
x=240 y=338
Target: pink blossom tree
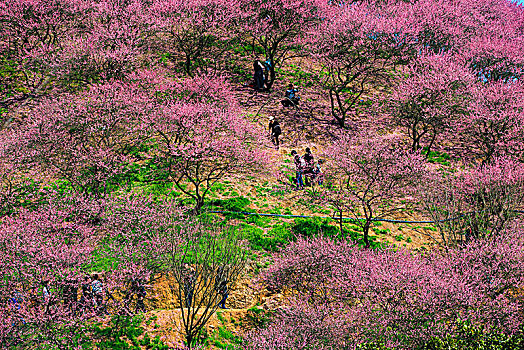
x=85 y=139
x=368 y=178
x=493 y=126
x=356 y=48
x=278 y=27
x=111 y=44
x=51 y=46
x=392 y=298
x=474 y=203
x=44 y=249
x=47 y=256
x=194 y=32
x=428 y=103
x=32 y=36
x=202 y=137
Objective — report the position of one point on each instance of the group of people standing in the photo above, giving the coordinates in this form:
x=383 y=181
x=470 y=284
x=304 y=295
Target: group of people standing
x=261 y=76
x=79 y=297
x=307 y=170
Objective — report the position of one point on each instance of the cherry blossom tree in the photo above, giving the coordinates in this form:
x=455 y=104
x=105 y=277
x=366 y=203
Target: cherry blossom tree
x=391 y=298
x=84 y=139
x=48 y=47
x=428 y=103
x=474 y=203
x=356 y=50
x=201 y=137
x=368 y=178
x=44 y=248
x=112 y=44
x=47 y=256
x=196 y=30
x=278 y=27
x=493 y=126
x=32 y=39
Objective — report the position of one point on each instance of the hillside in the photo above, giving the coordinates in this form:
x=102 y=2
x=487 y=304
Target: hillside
x=261 y=174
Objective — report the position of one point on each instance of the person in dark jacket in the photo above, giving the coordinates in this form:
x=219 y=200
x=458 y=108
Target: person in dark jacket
x=190 y=279
x=274 y=130
x=136 y=288
x=309 y=160
x=309 y=164
x=259 y=75
x=221 y=280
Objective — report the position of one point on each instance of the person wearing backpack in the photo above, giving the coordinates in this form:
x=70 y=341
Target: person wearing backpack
x=275 y=131
x=98 y=293
x=299 y=167
x=138 y=289
x=309 y=164
x=267 y=70
x=309 y=160
x=16 y=301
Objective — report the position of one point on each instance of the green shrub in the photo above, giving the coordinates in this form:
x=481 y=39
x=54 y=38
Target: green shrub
x=437 y=157
x=236 y=204
x=309 y=227
x=260 y=221
x=259 y=318
x=276 y=238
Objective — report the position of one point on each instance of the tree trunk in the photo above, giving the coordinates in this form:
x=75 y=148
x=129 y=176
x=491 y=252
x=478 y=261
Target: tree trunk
x=340 y=224
x=366 y=233
x=198 y=206
x=189 y=340
x=272 y=76
x=188 y=65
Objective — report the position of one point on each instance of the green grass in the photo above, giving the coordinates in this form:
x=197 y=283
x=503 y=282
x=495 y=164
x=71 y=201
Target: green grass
x=437 y=157
x=123 y=332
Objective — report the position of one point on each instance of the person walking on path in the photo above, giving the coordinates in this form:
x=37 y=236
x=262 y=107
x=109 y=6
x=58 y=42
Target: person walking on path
x=189 y=284
x=299 y=167
x=309 y=160
x=319 y=174
x=223 y=291
x=221 y=285
x=138 y=289
x=275 y=131
x=98 y=294
x=309 y=165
